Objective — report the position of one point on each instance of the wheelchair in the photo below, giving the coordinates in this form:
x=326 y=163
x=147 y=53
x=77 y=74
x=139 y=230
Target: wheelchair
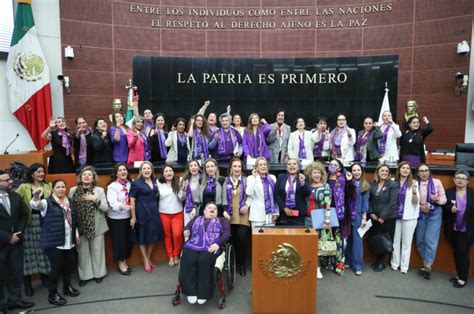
x=224 y=276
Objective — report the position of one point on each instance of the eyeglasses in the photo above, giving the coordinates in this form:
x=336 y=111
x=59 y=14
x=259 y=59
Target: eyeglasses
x=424 y=170
x=460 y=179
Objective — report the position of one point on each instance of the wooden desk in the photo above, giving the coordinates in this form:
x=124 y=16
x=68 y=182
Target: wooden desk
x=440 y=159
x=27 y=158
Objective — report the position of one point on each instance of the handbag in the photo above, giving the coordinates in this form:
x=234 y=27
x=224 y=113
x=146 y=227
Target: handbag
x=381 y=244
x=326 y=244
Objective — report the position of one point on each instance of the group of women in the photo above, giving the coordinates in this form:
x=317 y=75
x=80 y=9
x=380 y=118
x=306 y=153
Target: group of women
x=207 y=209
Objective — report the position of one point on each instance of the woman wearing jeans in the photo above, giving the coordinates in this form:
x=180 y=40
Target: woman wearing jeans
x=432 y=197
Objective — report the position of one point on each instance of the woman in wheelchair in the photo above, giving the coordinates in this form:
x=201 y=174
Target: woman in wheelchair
x=207 y=234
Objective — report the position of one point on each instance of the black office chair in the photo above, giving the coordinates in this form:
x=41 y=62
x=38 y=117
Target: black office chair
x=464 y=155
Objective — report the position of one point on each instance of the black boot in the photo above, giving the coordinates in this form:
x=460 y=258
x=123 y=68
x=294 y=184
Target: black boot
x=44 y=280
x=56 y=299
x=28 y=289
x=70 y=291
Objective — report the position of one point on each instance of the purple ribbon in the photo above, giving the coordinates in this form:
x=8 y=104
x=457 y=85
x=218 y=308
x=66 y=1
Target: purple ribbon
x=65 y=141
x=161 y=143
x=402 y=192
x=362 y=142
x=302 y=150
x=229 y=186
x=268 y=188
x=210 y=183
x=383 y=140
x=290 y=201
x=318 y=148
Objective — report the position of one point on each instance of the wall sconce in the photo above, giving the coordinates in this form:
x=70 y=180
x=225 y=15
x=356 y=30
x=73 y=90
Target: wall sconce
x=461 y=83
x=65 y=83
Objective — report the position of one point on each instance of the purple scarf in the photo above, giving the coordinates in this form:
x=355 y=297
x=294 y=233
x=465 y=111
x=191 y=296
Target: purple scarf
x=181 y=138
x=290 y=201
x=229 y=189
x=146 y=146
x=161 y=143
x=335 y=140
x=223 y=135
x=201 y=237
x=402 y=192
x=268 y=188
x=318 y=148
x=201 y=150
x=83 y=148
x=362 y=143
x=302 y=150
x=353 y=201
x=147 y=125
x=65 y=141
x=210 y=183
x=338 y=187
x=383 y=140
x=189 y=203
x=431 y=190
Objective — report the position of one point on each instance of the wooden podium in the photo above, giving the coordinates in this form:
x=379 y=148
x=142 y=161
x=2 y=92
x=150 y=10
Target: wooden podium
x=284 y=265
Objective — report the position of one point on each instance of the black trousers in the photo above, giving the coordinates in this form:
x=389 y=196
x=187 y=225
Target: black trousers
x=461 y=249
x=196 y=272
x=63 y=263
x=120 y=234
x=11 y=273
x=378 y=228
x=240 y=240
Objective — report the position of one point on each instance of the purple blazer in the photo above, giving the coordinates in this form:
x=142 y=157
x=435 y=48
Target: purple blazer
x=120 y=150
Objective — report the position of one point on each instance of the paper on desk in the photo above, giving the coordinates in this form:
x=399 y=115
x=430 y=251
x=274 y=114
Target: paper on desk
x=366 y=228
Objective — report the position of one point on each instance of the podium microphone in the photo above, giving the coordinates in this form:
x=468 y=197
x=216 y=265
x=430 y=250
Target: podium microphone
x=5 y=152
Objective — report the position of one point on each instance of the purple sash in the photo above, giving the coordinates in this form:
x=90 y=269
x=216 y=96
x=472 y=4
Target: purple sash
x=201 y=150
x=430 y=190
x=402 y=192
x=268 y=189
x=146 y=146
x=65 y=141
x=161 y=143
x=302 y=150
x=290 y=201
x=318 y=148
x=335 y=140
x=361 y=143
x=229 y=189
x=222 y=141
x=383 y=140
x=210 y=184
x=201 y=237
x=83 y=148
x=352 y=202
x=147 y=126
x=189 y=203
x=338 y=187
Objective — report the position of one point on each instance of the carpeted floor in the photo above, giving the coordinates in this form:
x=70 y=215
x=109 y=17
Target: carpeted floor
x=387 y=292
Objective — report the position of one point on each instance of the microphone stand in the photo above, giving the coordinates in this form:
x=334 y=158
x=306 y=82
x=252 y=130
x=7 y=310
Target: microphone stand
x=5 y=152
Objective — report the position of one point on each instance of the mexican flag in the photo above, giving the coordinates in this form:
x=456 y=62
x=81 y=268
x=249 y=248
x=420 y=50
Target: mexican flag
x=29 y=93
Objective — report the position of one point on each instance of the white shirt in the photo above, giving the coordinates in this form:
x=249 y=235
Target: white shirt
x=117 y=197
x=42 y=205
x=4 y=196
x=169 y=201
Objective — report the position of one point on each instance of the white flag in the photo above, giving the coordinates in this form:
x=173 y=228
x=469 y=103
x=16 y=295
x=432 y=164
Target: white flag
x=385 y=106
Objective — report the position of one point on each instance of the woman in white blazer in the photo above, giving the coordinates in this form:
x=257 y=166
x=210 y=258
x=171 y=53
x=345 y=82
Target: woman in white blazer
x=301 y=142
x=178 y=142
x=388 y=143
x=260 y=188
x=342 y=140
x=408 y=210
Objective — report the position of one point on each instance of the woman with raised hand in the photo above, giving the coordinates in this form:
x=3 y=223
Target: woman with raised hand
x=359 y=208
x=82 y=141
x=61 y=142
x=90 y=203
x=261 y=188
x=145 y=221
x=171 y=213
x=118 y=136
x=191 y=188
x=59 y=236
x=101 y=144
x=412 y=142
x=157 y=138
x=212 y=185
x=388 y=142
x=199 y=138
x=138 y=144
x=342 y=140
x=255 y=135
x=432 y=197
x=321 y=144
x=178 y=143
x=301 y=142
x=226 y=142
x=319 y=198
x=408 y=210
x=366 y=147
x=237 y=124
x=382 y=208
x=459 y=225
x=236 y=207
x=34 y=259
x=118 y=196
x=291 y=191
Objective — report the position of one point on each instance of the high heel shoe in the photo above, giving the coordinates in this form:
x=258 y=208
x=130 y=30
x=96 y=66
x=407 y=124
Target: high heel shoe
x=152 y=265
x=147 y=269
